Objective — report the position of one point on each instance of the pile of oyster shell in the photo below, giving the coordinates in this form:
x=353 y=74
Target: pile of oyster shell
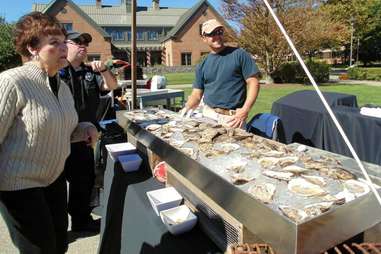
x=306 y=177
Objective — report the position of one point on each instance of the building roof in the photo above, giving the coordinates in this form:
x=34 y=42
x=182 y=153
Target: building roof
x=110 y=15
x=186 y=17
x=56 y=6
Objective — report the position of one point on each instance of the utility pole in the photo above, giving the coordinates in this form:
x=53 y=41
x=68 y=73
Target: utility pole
x=351 y=53
x=358 y=49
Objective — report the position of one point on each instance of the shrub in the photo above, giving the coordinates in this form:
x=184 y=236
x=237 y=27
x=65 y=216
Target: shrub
x=357 y=73
x=293 y=72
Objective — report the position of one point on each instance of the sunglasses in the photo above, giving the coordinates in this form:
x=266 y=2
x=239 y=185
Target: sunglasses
x=215 y=32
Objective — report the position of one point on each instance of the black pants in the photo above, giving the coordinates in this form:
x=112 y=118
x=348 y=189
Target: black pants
x=79 y=170
x=37 y=218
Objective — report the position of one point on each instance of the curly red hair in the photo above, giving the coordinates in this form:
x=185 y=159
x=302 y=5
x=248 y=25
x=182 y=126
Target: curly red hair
x=31 y=27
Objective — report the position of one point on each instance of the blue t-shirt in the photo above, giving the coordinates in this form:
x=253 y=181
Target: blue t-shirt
x=222 y=77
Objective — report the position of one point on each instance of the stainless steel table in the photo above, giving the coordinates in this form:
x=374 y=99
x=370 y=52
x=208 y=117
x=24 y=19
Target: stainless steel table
x=146 y=95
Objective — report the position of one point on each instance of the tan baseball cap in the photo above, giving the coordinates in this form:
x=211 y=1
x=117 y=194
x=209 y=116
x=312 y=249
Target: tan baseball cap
x=209 y=26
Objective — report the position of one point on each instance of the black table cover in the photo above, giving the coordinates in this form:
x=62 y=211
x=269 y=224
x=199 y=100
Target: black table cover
x=130 y=225
x=306 y=121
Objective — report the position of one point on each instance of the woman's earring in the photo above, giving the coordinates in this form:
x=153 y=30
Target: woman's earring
x=36 y=57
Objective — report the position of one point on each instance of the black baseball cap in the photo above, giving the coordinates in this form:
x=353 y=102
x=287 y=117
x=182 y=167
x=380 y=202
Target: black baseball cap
x=79 y=37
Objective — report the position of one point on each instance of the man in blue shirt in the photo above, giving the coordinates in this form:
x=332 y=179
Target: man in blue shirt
x=227 y=80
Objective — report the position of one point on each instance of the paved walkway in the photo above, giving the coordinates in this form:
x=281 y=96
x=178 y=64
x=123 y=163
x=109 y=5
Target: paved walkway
x=80 y=243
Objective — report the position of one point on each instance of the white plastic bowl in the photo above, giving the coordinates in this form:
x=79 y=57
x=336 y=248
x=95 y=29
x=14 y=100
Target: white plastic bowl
x=118 y=149
x=179 y=219
x=130 y=162
x=163 y=199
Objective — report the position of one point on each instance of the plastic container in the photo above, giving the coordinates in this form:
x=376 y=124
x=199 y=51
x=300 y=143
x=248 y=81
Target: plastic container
x=163 y=199
x=130 y=162
x=179 y=219
x=118 y=149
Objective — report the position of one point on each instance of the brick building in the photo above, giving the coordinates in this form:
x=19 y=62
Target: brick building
x=166 y=36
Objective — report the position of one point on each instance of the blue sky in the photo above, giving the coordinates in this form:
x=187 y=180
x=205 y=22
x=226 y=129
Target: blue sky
x=12 y=10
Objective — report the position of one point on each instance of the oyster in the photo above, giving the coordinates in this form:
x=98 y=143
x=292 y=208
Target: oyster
x=213 y=153
x=208 y=135
x=304 y=188
x=189 y=151
x=268 y=162
x=334 y=199
x=167 y=135
x=338 y=173
x=346 y=195
x=294 y=214
x=356 y=187
x=314 y=165
x=318 y=180
x=153 y=127
x=239 y=179
x=287 y=161
x=238 y=167
x=286 y=176
x=275 y=154
x=226 y=147
x=316 y=209
x=205 y=147
x=264 y=192
x=240 y=134
x=294 y=169
x=224 y=139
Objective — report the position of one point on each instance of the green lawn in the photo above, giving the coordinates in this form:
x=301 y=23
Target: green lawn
x=269 y=94
x=179 y=78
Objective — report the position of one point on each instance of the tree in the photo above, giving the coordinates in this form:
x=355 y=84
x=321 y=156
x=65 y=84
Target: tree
x=309 y=28
x=363 y=16
x=8 y=56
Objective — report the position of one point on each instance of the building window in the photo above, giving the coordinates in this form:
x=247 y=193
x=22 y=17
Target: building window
x=129 y=38
x=68 y=26
x=93 y=57
x=186 y=58
x=153 y=36
x=116 y=35
x=140 y=36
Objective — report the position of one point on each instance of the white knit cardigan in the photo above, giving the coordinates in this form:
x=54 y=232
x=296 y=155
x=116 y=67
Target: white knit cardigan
x=35 y=128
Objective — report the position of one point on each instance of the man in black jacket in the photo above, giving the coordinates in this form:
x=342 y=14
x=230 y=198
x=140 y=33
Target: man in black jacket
x=86 y=81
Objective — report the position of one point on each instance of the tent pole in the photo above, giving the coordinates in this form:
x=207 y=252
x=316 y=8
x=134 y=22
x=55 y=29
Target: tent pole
x=133 y=53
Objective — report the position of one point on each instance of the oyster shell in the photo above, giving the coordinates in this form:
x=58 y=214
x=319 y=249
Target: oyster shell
x=287 y=161
x=294 y=214
x=268 y=162
x=240 y=134
x=304 y=188
x=334 y=199
x=294 y=169
x=318 y=180
x=205 y=147
x=346 y=195
x=356 y=187
x=316 y=209
x=237 y=167
x=239 y=179
x=153 y=127
x=224 y=139
x=338 y=173
x=264 y=192
x=189 y=151
x=226 y=147
x=275 y=154
x=286 y=176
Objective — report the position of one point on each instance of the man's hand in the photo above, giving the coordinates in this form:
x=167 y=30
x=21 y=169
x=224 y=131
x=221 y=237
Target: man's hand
x=186 y=112
x=97 y=66
x=239 y=118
